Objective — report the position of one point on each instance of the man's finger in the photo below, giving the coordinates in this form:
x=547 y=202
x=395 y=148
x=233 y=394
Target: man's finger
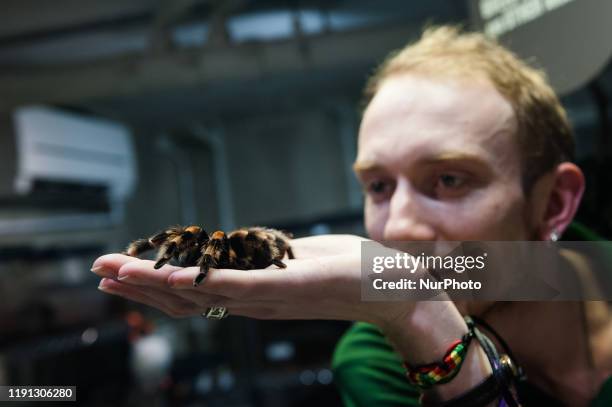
x=247 y=285
x=225 y=282
x=172 y=305
x=141 y=272
x=183 y=303
x=204 y=300
x=109 y=264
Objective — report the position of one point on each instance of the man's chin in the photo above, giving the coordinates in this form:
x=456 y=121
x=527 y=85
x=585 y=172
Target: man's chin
x=476 y=308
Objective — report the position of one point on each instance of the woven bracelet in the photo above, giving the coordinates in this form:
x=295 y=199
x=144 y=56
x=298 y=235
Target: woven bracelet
x=426 y=376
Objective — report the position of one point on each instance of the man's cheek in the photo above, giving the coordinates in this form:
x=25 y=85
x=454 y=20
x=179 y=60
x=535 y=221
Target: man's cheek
x=375 y=220
x=470 y=223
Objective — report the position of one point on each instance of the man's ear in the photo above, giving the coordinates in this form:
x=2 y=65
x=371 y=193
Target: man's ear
x=562 y=193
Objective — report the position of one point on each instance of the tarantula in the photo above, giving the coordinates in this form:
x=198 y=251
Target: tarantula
x=243 y=249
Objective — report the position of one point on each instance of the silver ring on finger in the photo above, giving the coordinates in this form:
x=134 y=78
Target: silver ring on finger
x=215 y=313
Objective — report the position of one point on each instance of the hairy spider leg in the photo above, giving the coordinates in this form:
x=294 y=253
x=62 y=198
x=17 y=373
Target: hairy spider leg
x=190 y=255
x=214 y=254
x=137 y=247
x=179 y=242
x=188 y=242
x=290 y=253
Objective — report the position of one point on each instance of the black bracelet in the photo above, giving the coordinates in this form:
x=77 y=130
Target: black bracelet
x=502 y=367
x=497 y=386
x=518 y=371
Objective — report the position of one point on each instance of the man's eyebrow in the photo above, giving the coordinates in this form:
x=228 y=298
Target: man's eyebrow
x=365 y=166
x=452 y=156
x=441 y=158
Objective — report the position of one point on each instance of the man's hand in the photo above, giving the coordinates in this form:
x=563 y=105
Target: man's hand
x=323 y=282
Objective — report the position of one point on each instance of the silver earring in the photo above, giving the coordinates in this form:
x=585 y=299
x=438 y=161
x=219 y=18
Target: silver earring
x=554 y=235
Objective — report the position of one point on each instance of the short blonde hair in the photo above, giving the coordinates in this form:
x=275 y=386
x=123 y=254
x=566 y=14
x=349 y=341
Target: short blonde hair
x=544 y=133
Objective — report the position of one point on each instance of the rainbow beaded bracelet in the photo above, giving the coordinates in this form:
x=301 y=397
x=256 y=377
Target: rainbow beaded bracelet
x=426 y=376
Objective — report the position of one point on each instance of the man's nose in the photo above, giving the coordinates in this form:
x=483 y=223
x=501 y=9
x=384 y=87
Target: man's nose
x=407 y=219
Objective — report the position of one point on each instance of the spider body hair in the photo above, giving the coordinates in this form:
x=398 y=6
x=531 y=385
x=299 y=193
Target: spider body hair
x=242 y=249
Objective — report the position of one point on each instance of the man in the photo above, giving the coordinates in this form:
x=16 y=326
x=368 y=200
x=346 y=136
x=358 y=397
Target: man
x=462 y=141
x=459 y=141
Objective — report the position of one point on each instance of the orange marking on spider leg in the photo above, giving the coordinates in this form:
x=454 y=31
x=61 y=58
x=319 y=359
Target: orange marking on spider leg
x=193 y=229
x=218 y=235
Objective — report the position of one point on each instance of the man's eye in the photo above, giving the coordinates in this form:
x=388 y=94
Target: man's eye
x=377 y=187
x=450 y=186
x=451 y=181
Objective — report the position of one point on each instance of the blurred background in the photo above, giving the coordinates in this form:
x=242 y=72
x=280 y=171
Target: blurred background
x=119 y=118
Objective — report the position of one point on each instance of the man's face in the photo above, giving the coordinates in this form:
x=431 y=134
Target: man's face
x=438 y=161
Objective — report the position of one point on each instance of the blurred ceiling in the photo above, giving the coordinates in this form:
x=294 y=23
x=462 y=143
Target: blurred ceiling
x=161 y=62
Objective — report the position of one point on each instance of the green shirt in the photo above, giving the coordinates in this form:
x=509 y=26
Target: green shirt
x=369 y=373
